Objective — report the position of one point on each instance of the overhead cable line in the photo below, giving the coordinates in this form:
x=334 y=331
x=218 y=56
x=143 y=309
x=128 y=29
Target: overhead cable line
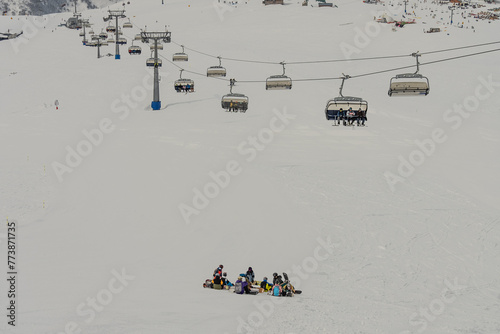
x=337 y=60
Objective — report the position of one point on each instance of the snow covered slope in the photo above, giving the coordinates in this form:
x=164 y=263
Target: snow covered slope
x=123 y=212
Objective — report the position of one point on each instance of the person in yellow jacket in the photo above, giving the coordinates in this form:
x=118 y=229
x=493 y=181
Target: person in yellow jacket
x=217 y=282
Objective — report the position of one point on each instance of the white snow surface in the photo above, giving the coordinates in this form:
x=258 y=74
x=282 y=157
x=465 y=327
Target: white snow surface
x=420 y=256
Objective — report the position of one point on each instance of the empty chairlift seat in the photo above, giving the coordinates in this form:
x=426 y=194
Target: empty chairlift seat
x=409 y=84
x=180 y=56
x=278 y=82
x=216 y=71
x=281 y=81
x=128 y=24
x=160 y=46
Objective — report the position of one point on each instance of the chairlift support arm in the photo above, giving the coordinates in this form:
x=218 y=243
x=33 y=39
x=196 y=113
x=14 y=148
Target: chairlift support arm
x=231 y=84
x=416 y=55
x=344 y=77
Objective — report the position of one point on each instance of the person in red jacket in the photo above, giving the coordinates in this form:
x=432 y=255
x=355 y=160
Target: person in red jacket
x=218 y=270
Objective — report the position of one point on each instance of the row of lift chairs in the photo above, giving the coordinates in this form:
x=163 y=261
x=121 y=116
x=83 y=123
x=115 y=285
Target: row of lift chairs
x=111 y=29
x=407 y=84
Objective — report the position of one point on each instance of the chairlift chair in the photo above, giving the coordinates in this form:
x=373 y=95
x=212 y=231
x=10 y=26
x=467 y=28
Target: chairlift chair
x=234 y=101
x=216 y=71
x=82 y=33
x=180 y=56
x=121 y=41
x=111 y=28
x=138 y=37
x=111 y=40
x=275 y=82
x=128 y=24
x=134 y=49
x=410 y=83
x=152 y=47
x=103 y=35
x=91 y=32
x=184 y=85
x=94 y=37
x=150 y=62
x=333 y=106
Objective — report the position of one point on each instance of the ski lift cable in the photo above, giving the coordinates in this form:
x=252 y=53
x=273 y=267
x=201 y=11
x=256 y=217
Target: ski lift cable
x=341 y=60
x=459 y=48
x=427 y=63
x=382 y=71
x=458 y=57
x=231 y=59
x=336 y=60
x=291 y=63
x=352 y=76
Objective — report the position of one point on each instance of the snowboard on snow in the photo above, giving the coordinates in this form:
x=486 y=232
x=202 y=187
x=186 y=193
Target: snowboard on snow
x=289 y=286
x=208 y=284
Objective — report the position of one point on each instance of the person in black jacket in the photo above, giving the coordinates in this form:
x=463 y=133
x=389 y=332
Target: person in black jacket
x=265 y=284
x=217 y=282
x=225 y=281
x=250 y=275
x=277 y=279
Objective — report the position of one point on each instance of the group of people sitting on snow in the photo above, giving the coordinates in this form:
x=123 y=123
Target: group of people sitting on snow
x=349 y=116
x=245 y=282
